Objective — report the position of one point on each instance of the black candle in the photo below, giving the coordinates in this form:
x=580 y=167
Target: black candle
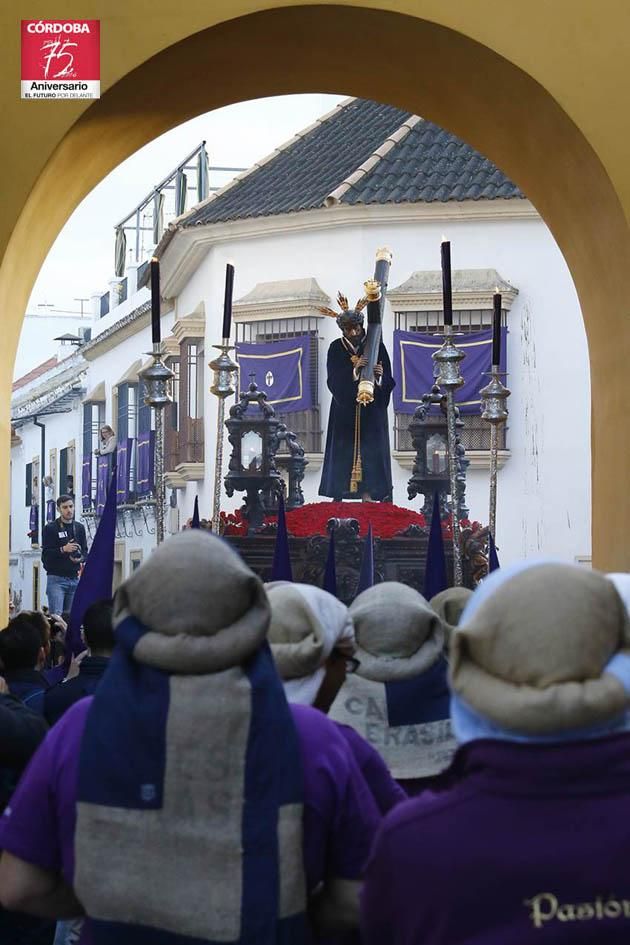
x=227 y=302
x=496 y=329
x=155 y=301
x=447 y=291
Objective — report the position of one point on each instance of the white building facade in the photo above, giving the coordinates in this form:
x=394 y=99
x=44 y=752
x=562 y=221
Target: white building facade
x=293 y=257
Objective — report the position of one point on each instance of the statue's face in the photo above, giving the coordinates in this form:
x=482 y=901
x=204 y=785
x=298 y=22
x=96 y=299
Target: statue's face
x=353 y=332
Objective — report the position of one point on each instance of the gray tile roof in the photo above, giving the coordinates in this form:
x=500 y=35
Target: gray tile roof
x=419 y=163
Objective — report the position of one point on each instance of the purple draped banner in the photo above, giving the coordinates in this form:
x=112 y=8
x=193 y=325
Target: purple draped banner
x=86 y=482
x=145 y=458
x=281 y=369
x=96 y=578
x=103 y=466
x=123 y=456
x=414 y=374
x=51 y=507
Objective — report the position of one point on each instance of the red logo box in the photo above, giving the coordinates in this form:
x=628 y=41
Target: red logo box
x=61 y=59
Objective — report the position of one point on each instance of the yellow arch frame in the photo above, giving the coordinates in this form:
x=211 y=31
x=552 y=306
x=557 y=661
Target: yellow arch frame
x=59 y=151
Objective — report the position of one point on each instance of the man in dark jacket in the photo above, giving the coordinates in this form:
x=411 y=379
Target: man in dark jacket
x=23 y=650
x=64 y=548
x=21 y=731
x=99 y=638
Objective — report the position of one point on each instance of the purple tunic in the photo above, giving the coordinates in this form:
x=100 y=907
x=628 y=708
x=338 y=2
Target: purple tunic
x=385 y=791
x=340 y=815
x=512 y=843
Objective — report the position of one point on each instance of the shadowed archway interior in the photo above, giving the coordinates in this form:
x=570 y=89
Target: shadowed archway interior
x=420 y=66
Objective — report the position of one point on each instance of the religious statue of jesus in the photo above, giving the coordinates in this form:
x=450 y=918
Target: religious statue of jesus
x=357 y=462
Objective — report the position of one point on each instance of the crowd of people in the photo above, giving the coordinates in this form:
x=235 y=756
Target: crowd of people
x=245 y=763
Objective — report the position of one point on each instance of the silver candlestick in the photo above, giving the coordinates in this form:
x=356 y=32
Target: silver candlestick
x=157 y=381
x=225 y=370
x=495 y=412
x=450 y=379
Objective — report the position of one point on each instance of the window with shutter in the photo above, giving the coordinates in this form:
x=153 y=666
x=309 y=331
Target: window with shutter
x=306 y=424
x=191 y=390
x=171 y=419
x=28 y=497
x=475 y=434
x=61 y=486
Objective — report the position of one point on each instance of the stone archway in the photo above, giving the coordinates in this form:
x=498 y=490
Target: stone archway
x=428 y=69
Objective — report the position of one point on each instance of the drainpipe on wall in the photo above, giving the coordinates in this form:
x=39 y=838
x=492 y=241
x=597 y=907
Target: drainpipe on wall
x=42 y=475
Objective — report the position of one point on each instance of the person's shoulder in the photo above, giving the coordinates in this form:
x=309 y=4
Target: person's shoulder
x=316 y=730
x=359 y=745
x=429 y=812
x=63 y=693
x=72 y=723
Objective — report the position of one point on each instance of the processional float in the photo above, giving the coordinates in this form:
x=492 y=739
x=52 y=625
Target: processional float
x=157 y=378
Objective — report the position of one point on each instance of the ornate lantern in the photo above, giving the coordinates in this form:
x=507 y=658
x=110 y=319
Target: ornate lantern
x=253 y=433
x=429 y=436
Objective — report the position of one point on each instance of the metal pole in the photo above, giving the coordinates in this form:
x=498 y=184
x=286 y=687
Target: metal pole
x=493 y=397
x=160 y=491
x=218 y=467
x=449 y=378
x=494 y=448
x=157 y=379
x=42 y=474
x=225 y=371
x=452 y=470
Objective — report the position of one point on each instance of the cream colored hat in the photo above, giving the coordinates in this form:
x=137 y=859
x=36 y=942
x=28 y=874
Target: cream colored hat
x=398 y=634
x=532 y=648
x=205 y=609
x=306 y=624
x=449 y=605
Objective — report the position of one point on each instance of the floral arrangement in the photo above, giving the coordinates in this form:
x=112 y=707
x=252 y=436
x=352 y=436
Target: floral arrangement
x=386 y=520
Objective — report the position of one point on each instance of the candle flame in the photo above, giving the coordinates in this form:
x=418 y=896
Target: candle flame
x=496 y=290
x=154 y=259
x=443 y=239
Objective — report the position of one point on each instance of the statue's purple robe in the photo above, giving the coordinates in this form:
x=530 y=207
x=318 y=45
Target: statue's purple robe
x=375 y=454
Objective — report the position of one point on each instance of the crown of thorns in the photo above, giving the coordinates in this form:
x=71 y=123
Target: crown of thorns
x=346 y=311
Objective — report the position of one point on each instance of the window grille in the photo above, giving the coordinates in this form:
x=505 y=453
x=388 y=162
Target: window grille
x=475 y=434
x=191 y=401
x=93 y=419
x=306 y=424
x=171 y=419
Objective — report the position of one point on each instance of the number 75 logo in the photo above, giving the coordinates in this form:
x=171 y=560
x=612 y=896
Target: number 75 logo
x=57 y=51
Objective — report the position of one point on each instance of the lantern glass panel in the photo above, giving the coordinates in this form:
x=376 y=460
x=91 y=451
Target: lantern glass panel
x=436 y=454
x=251 y=451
